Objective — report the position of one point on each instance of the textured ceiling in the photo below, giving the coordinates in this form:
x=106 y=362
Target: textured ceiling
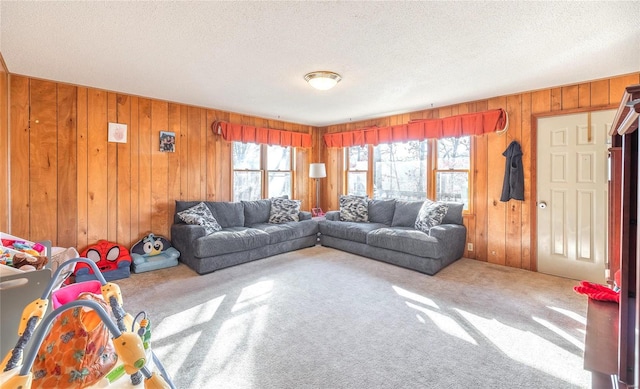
x=250 y=57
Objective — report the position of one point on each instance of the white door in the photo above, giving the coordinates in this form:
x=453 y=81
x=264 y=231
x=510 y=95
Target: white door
x=572 y=174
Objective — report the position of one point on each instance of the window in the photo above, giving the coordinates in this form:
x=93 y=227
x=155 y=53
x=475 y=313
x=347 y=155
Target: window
x=252 y=162
x=400 y=171
x=247 y=177
x=452 y=170
x=412 y=170
x=278 y=171
x=357 y=166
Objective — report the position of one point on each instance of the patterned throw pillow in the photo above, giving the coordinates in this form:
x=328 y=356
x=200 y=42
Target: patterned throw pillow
x=430 y=215
x=354 y=209
x=200 y=215
x=284 y=210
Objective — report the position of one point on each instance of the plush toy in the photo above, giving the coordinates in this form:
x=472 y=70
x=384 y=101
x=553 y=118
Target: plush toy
x=152 y=253
x=597 y=291
x=26 y=262
x=112 y=259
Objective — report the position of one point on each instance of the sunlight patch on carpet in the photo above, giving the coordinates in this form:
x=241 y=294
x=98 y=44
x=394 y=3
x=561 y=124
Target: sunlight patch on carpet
x=198 y=314
x=521 y=345
x=235 y=350
x=445 y=323
x=253 y=294
x=560 y=332
x=415 y=297
x=579 y=318
x=175 y=355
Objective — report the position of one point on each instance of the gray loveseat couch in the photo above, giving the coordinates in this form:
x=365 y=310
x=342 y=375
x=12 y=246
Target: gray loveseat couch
x=246 y=235
x=390 y=236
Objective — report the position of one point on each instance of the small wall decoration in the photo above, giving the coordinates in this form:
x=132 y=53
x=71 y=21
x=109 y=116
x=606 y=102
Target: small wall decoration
x=167 y=141
x=117 y=132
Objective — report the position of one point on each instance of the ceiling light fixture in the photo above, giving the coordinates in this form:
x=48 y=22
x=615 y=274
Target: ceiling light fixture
x=322 y=80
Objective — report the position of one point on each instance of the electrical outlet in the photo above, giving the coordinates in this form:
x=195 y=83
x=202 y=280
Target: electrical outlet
x=469 y=246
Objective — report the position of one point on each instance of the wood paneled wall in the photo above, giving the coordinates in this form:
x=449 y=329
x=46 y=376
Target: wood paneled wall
x=69 y=185
x=501 y=233
x=4 y=146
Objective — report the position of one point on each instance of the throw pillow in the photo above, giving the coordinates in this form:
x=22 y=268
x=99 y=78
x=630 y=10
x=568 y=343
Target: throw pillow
x=430 y=215
x=354 y=209
x=284 y=210
x=200 y=215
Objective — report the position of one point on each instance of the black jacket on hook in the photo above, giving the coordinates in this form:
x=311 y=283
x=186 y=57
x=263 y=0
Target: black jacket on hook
x=513 y=185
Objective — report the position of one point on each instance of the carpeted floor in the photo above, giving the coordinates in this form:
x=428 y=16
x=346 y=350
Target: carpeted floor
x=322 y=318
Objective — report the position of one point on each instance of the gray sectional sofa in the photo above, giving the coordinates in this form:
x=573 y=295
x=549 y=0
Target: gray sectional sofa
x=389 y=235
x=245 y=235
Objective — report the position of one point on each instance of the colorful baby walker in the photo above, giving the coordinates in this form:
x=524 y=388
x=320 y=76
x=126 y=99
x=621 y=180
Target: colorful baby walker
x=79 y=344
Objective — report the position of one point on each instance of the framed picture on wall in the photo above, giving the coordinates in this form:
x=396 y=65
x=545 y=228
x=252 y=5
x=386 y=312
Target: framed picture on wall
x=167 y=142
x=117 y=133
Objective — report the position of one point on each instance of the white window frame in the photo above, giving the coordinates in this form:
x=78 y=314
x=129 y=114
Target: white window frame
x=264 y=173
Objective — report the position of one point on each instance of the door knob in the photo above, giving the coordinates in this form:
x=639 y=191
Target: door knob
x=542 y=205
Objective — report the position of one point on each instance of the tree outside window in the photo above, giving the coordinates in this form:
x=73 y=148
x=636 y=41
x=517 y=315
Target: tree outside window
x=412 y=170
x=400 y=171
x=357 y=163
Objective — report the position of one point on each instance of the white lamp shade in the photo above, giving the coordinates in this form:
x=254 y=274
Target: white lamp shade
x=317 y=170
x=322 y=80
x=322 y=83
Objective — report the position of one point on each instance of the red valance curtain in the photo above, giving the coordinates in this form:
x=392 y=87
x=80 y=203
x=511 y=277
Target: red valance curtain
x=477 y=123
x=249 y=134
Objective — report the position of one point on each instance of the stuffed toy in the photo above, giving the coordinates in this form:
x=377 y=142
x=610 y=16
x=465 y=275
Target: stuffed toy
x=26 y=262
x=112 y=259
x=597 y=291
x=153 y=252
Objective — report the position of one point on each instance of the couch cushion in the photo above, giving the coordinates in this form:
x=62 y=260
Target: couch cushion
x=348 y=230
x=354 y=209
x=381 y=211
x=256 y=211
x=200 y=215
x=454 y=213
x=405 y=240
x=284 y=210
x=288 y=231
x=406 y=213
x=430 y=215
x=229 y=240
x=305 y=215
x=227 y=214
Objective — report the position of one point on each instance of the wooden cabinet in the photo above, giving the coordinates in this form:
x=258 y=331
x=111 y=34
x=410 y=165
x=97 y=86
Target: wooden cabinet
x=623 y=243
x=627 y=360
x=601 y=343
x=615 y=206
